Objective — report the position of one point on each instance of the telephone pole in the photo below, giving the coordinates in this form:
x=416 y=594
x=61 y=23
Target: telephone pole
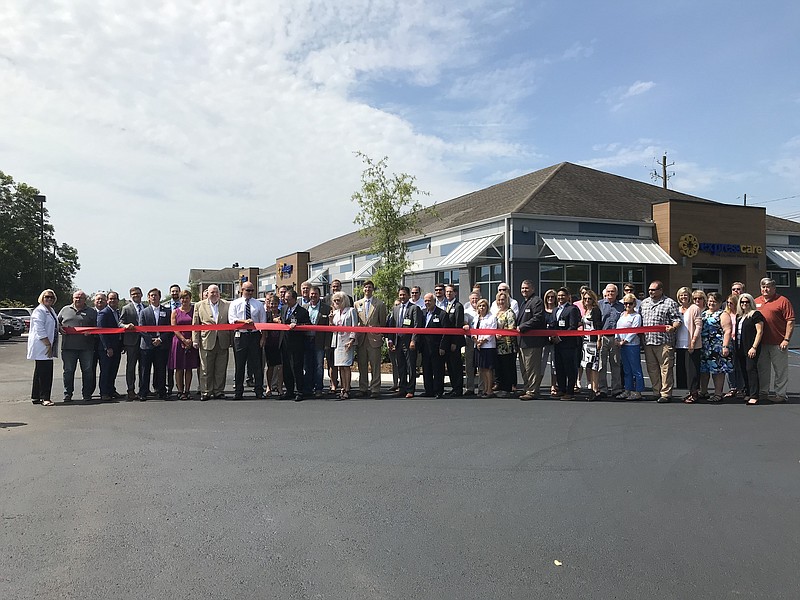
x=664 y=176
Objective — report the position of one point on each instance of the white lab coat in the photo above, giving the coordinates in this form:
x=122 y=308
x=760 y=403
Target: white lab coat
x=44 y=323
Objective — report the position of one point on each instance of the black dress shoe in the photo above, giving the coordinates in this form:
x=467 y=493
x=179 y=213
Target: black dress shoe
x=439 y=396
x=664 y=400
x=116 y=395
x=205 y=397
x=219 y=397
x=36 y=401
x=238 y=396
x=286 y=396
x=142 y=398
x=298 y=398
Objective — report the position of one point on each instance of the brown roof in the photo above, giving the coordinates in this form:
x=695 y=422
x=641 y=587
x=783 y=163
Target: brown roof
x=227 y=275
x=564 y=189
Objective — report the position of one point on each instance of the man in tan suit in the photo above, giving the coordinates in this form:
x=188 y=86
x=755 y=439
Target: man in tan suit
x=212 y=344
x=371 y=313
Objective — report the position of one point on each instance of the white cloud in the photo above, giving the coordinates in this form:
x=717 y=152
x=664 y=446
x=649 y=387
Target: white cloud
x=640 y=87
x=616 y=97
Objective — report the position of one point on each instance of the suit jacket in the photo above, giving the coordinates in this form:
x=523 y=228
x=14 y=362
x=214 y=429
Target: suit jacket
x=569 y=320
x=411 y=318
x=147 y=318
x=128 y=315
x=455 y=316
x=438 y=320
x=532 y=317
x=294 y=339
x=108 y=318
x=322 y=339
x=210 y=339
x=376 y=318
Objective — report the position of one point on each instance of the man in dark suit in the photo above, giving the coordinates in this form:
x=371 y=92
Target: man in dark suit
x=531 y=317
x=455 y=365
x=128 y=319
x=173 y=303
x=565 y=317
x=405 y=315
x=433 y=348
x=292 y=314
x=316 y=343
x=109 y=348
x=155 y=346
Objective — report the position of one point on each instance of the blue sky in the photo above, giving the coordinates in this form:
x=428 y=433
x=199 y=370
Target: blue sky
x=205 y=133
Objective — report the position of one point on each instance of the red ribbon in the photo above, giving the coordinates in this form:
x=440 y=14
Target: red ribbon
x=341 y=329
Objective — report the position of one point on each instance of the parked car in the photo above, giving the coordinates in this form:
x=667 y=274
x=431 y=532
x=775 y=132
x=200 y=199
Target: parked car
x=8 y=329
x=17 y=325
x=20 y=313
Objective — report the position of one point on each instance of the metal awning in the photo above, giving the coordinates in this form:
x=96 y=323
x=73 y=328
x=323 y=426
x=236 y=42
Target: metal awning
x=599 y=249
x=785 y=258
x=320 y=278
x=367 y=269
x=468 y=251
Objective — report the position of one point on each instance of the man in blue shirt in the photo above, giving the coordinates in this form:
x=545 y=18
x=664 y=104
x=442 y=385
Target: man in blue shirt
x=610 y=309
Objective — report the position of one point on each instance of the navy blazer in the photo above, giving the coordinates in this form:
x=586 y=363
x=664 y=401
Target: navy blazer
x=569 y=321
x=108 y=318
x=438 y=320
x=147 y=318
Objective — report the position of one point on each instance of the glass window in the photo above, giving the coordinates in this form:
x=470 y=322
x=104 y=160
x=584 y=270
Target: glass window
x=488 y=277
x=781 y=278
x=555 y=276
x=618 y=275
x=708 y=280
x=449 y=278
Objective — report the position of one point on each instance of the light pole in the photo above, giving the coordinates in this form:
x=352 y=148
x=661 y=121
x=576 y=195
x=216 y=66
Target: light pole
x=41 y=199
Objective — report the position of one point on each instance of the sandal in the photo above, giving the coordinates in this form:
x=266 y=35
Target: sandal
x=730 y=395
x=752 y=401
x=47 y=403
x=688 y=399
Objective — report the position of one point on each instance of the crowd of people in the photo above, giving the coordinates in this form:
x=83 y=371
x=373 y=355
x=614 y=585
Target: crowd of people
x=700 y=339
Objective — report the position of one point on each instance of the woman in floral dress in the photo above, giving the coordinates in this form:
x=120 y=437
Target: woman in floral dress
x=716 y=355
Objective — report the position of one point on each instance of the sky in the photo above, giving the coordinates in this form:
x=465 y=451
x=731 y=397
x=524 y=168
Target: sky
x=187 y=134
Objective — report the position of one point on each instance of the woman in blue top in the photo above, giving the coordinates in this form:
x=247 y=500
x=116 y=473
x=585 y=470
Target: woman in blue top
x=629 y=349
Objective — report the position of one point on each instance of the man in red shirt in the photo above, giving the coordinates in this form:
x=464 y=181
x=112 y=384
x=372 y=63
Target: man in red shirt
x=778 y=326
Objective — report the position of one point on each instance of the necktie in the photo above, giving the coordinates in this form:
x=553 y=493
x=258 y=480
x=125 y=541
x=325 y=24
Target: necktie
x=366 y=308
x=402 y=314
x=138 y=309
x=247 y=313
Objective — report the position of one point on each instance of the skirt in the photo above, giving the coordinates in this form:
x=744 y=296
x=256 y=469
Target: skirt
x=485 y=357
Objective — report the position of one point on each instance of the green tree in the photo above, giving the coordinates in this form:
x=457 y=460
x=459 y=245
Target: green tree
x=20 y=248
x=389 y=209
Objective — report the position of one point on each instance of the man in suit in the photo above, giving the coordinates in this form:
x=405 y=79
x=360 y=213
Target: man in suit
x=315 y=343
x=292 y=314
x=405 y=315
x=565 y=317
x=110 y=347
x=155 y=347
x=371 y=312
x=248 y=344
x=128 y=319
x=433 y=348
x=453 y=361
x=531 y=317
x=174 y=303
x=212 y=344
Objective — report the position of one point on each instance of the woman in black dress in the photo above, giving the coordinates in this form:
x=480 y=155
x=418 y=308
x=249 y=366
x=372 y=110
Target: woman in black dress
x=750 y=328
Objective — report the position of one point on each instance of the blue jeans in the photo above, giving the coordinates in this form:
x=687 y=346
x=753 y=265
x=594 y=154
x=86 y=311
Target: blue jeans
x=71 y=358
x=632 y=367
x=313 y=366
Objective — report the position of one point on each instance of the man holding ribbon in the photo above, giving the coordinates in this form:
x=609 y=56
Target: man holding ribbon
x=248 y=343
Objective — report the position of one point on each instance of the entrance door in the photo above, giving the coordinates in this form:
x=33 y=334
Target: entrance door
x=707 y=279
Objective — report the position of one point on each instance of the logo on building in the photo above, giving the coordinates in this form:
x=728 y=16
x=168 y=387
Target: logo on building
x=285 y=270
x=688 y=245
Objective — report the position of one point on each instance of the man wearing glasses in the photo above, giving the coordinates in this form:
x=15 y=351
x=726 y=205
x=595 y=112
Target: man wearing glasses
x=629 y=288
x=513 y=304
x=416 y=296
x=248 y=344
x=737 y=287
x=659 y=350
x=439 y=297
x=778 y=327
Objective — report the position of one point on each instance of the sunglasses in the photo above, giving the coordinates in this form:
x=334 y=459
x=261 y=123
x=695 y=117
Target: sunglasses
x=744 y=301
x=627 y=303
x=651 y=290
x=697 y=299
x=53 y=298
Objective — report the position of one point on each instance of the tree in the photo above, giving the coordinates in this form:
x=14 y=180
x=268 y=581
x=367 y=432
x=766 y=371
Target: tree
x=20 y=248
x=388 y=211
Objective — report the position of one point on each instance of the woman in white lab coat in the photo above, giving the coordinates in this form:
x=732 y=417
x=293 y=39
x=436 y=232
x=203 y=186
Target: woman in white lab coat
x=43 y=347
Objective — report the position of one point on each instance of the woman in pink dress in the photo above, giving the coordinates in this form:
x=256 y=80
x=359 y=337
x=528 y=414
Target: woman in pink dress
x=184 y=356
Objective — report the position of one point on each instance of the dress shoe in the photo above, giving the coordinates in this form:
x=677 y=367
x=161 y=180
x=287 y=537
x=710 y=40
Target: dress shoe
x=298 y=398
x=664 y=400
x=238 y=396
x=36 y=401
x=116 y=395
x=439 y=396
x=131 y=395
x=205 y=397
x=106 y=398
x=142 y=398
x=219 y=397
x=286 y=396
x=68 y=398
x=526 y=397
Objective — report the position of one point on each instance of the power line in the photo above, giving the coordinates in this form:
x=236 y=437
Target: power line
x=776 y=199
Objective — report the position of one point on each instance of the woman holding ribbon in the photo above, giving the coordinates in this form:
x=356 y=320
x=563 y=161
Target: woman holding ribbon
x=343 y=343
x=43 y=347
x=183 y=356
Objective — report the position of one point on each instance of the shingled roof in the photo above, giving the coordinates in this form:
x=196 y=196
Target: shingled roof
x=564 y=189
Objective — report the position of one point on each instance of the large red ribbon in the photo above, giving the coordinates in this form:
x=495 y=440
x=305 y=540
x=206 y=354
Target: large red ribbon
x=340 y=329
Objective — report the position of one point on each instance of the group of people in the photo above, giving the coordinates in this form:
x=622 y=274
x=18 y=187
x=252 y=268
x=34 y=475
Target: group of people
x=703 y=338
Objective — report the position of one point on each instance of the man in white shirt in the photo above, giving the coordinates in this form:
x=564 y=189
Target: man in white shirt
x=248 y=343
x=416 y=296
x=439 y=296
x=503 y=287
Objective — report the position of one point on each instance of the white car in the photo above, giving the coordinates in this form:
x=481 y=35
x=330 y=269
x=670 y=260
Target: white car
x=20 y=313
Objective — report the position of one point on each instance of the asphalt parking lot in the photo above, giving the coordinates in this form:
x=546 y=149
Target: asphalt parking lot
x=392 y=498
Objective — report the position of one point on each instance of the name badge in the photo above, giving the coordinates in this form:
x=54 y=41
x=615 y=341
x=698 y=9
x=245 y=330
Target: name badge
x=238 y=334
x=562 y=323
x=435 y=320
x=325 y=315
x=162 y=314
x=758 y=305
x=407 y=322
x=527 y=310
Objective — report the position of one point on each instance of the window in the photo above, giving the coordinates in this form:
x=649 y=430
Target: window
x=618 y=275
x=488 y=277
x=449 y=278
x=556 y=276
x=781 y=278
x=708 y=280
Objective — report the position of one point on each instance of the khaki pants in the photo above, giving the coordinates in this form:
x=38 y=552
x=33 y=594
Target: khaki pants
x=369 y=357
x=213 y=370
x=773 y=359
x=530 y=365
x=610 y=356
x=660 y=362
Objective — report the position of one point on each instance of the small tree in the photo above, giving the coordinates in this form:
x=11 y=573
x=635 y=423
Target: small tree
x=388 y=211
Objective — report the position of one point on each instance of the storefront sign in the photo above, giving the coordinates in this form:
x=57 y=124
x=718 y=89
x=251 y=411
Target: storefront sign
x=689 y=246
x=285 y=270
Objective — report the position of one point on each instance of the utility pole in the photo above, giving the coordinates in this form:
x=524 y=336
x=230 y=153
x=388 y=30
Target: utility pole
x=664 y=176
x=41 y=199
x=745 y=199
